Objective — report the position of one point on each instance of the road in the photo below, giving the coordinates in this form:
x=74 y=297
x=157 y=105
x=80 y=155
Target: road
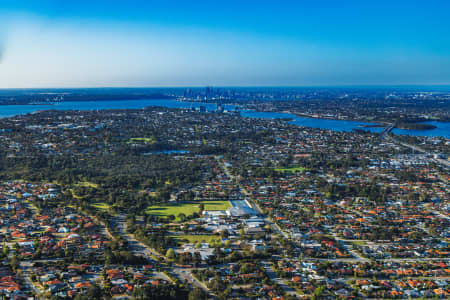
x=140 y=249
x=357 y=257
x=273 y=225
x=185 y=274
x=443 y=162
x=355 y=260
x=25 y=267
x=384 y=135
x=434 y=211
x=354 y=253
x=137 y=247
x=272 y=275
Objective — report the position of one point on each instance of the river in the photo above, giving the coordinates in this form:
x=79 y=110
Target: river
x=443 y=128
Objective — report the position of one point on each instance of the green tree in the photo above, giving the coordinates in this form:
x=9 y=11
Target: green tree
x=181 y=217
x=14 y=262
x=5 y=250
x=318 y=292
x=170 y=253
x=197 y=294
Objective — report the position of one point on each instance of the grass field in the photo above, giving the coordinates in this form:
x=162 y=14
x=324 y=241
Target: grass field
x=75 y=195
x=144 y=139
x=216 y=205
x=359 y=243
x=101 y=206
x=290 y=170
x=197 y=238
x=87 y=184
x=185 y=208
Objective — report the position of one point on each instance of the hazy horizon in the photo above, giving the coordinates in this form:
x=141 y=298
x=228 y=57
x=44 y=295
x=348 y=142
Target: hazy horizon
x=80 y=44
x=233 y=86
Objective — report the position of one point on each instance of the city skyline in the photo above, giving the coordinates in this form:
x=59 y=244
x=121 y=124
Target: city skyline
x=47 y=44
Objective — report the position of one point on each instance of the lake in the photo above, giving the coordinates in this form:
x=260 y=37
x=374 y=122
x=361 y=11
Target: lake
x=443 y=128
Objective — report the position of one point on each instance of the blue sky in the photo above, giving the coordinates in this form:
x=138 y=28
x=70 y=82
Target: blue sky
x=82 y=43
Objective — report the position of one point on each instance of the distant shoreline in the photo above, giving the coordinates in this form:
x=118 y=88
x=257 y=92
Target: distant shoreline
x=420 y=126
x=303 y=115
x=82 y=98
x=405 y=126
x=415 y=126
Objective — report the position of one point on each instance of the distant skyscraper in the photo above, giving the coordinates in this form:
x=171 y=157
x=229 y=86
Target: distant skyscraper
x=209 y=92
